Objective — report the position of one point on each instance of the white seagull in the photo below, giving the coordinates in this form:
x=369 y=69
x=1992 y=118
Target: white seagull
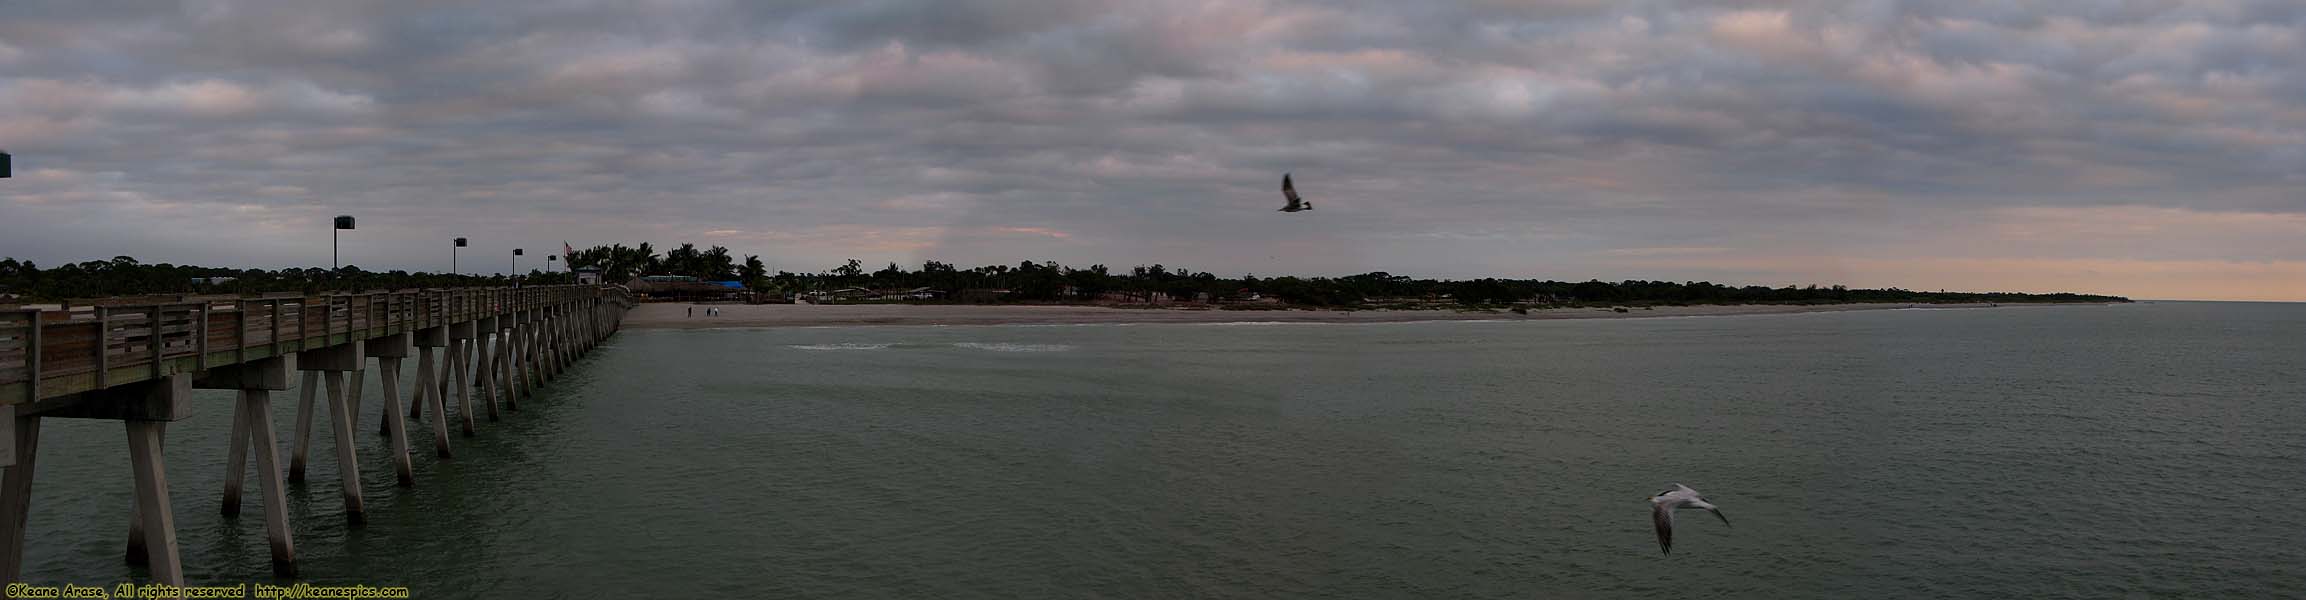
x=1663 y=504
x=1290 y=191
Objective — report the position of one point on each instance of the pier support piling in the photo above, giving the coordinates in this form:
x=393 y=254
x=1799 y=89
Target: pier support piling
x=16 y=491
x=158 y=531
x=389 y=351
x=236 y=460
x=347 y=456
x=506 y=365
x=256 y=406
x=487 y=339
x=254 y=381
x=146 y=407
x=429 y=394
x=529 y=379
x=460 y=339
x=333 y=363
x=296 y=456
x=551 y=345
x=357 y=378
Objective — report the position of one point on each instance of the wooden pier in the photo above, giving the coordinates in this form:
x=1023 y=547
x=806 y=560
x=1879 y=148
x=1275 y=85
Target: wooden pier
x=138 y=361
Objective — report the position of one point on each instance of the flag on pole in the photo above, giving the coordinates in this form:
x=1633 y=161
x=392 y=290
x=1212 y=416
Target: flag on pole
x=568 y=254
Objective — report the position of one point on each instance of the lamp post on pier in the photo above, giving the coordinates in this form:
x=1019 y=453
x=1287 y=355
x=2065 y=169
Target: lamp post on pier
x=343 y=222
x=452 y=257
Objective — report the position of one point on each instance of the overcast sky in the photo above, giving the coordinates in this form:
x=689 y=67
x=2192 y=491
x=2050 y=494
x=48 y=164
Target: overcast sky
x=2152 y=149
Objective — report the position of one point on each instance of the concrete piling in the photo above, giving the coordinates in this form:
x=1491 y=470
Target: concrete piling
x=423 y=365
x=447 y=371
x=485 y=363
x=543 y=347
x=550 y=347
x=528 y=375
x=236 y=453
x=145 y=407
x=389 y=351
x=507 y=364
x=16 y=491
x=347 y=456
x=303 y=426
x=152 y=509
x=426 y=341
x=460 y=377
x=355 y=380
x=333 y=362
x=252 y=432
x=256 y=405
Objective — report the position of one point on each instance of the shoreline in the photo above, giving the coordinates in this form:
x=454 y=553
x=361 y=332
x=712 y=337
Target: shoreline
x=671 y=315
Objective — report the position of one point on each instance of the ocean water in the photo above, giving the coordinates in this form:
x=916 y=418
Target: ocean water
x=2146 y=450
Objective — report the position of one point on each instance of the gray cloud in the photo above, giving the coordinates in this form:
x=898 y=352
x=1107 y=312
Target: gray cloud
x=1547 y=139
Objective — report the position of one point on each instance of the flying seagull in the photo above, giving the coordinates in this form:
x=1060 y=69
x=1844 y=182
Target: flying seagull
x=1290 y=191
x=1663 y=504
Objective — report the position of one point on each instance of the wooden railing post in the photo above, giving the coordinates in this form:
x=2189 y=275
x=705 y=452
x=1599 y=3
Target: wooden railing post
x=200 y=339
x=103 y=339
x=239 y=333
x=32 y=356
x=303 y=321
x=153 y=339
x=275 y=319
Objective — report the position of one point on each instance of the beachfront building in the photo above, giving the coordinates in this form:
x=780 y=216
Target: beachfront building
x=858 y=294
x=850 y=294
x=685 y=288
x=981 y=295
x=1425 y=301
x=1134 y=297
x=919 y=293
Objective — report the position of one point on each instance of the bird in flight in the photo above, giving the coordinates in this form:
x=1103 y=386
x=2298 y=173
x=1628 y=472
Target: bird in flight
x=1664 y=503
x=1290 y=191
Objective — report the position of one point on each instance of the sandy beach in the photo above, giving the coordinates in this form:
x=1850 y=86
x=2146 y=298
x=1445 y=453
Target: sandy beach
x=678 y=316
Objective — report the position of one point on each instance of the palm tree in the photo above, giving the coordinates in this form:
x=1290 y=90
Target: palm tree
x=754 y=274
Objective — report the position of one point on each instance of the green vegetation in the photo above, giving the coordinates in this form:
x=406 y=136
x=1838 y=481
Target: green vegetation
x=1050 y=282
x=1024 y=282
x=124 y=276
x=622 y=263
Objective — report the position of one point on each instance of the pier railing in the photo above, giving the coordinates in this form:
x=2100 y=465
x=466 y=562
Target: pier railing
x=50 y=352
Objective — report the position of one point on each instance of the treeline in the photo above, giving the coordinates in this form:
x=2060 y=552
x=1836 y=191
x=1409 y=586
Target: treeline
x=1025 y=281
x=125 y=276
x=1049 y=281
x=620 y=263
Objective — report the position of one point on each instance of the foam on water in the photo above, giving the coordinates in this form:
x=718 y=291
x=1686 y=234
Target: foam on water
x=840 y=346
x=1010 y=347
